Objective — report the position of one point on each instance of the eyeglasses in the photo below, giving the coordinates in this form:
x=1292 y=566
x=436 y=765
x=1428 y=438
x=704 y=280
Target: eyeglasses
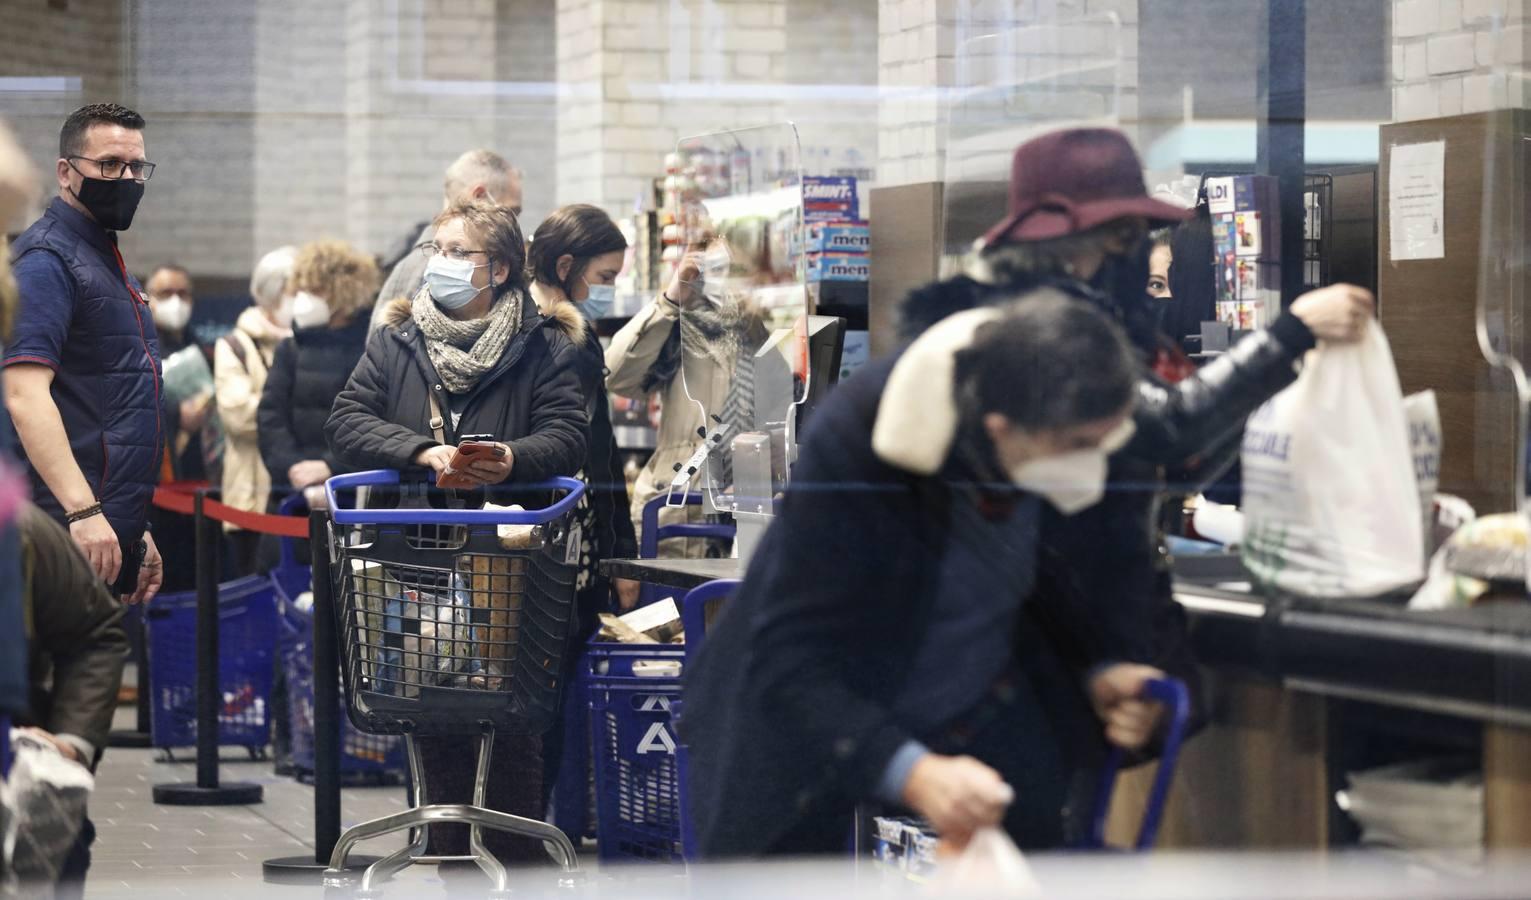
x=113 y=168
x=432 y=248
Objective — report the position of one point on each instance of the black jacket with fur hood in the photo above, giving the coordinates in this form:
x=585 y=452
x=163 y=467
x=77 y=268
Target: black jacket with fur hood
x=531 y=400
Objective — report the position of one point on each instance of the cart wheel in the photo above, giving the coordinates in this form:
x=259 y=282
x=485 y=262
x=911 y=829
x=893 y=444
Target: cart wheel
x=165 y=755
x=256 y=753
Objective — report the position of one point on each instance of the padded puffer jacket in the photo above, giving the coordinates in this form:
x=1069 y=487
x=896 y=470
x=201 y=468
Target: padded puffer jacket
x=107 y=382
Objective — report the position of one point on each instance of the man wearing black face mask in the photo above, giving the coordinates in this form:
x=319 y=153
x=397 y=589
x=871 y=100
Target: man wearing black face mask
x=82 y=377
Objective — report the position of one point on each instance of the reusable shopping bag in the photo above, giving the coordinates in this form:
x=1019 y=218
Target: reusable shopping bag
x=1331 y=502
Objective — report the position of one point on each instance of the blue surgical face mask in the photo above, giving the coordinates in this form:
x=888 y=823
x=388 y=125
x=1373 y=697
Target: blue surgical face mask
x=450 y=281
x=598 y=304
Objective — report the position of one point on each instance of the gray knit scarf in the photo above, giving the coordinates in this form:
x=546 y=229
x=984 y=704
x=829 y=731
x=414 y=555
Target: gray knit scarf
x=463 y=351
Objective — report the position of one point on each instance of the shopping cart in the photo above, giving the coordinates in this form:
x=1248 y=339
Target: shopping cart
x=573 y=792
x=640 y=775
x=452 y=623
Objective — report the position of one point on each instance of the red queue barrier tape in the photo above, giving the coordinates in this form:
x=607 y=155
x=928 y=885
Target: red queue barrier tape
x=180 y=497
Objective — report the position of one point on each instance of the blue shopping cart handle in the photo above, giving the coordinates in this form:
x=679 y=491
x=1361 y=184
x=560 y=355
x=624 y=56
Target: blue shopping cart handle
x=390 y=477
x=1176 y=699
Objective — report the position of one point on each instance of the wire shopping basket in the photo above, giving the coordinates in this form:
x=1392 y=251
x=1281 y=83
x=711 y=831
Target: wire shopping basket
x=452 y=622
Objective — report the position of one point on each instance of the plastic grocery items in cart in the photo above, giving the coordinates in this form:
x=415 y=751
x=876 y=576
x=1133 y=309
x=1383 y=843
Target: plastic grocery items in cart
x=247 y=640
x=453 y=622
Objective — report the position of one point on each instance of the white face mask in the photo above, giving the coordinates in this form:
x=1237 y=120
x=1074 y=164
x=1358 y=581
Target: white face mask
x=283 y=313
x=715 y=266
x=172 y=313
x=309 y=311
x=1073 y=482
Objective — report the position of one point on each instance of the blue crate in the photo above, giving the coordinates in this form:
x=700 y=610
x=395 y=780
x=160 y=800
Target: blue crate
x=381 y=757
x=246 y=644
x=633 y=743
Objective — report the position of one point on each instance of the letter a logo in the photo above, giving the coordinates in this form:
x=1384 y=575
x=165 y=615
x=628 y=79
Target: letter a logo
x=658 y=740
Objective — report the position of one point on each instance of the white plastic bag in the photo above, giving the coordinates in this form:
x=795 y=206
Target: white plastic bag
x=1331 y=502
x=46 y=795
x=992 y=866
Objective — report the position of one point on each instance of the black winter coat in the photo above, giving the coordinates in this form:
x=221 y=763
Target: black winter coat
x=615 y=536
x=1178 y=426
x=309 y=371
x=531 y=401
x=788 y=714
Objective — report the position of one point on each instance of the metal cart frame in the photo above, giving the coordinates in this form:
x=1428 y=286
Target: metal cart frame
x=386 y=695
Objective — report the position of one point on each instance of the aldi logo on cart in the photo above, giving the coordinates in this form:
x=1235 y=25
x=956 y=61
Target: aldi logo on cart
x=658 y=740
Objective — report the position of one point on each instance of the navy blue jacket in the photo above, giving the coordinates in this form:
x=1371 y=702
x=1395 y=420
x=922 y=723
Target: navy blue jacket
x=790 y=705
x=85 y=318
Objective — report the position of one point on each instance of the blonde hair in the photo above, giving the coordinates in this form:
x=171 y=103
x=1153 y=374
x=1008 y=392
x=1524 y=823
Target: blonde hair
x=345 y=277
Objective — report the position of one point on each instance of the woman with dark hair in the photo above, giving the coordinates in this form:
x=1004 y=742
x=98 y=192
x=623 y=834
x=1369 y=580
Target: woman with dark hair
x=572 y=264
x=1192 y=276
x=875 y=651
x=470 y=354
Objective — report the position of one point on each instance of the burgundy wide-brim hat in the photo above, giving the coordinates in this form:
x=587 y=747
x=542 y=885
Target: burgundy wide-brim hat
x=1071 y=181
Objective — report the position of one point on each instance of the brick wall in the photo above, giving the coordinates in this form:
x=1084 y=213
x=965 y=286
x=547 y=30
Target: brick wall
x=1452 y=57
x=285 y=120
x=965 y=80
x=84 y=45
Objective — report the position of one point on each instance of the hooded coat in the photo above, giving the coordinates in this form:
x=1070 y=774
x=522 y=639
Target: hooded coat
x=1183 y=430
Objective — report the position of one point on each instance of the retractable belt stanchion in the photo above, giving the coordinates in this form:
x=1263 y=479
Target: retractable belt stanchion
x=310 y=869
x=207 y=791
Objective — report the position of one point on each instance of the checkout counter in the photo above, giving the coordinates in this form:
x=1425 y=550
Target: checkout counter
x=1300 y=692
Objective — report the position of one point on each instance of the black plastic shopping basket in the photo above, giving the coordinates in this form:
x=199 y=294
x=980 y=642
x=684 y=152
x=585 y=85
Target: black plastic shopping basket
x=452 y=623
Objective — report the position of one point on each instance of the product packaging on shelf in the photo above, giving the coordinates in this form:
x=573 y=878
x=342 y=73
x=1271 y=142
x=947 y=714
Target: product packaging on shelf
x=850 y=236
x=1246 y=227
x=829 y=199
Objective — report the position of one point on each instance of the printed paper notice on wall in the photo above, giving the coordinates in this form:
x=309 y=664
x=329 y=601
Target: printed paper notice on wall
x=1416 y=200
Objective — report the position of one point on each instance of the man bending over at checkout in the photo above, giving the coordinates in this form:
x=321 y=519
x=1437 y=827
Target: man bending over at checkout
x=77 y=651
x=873 y=652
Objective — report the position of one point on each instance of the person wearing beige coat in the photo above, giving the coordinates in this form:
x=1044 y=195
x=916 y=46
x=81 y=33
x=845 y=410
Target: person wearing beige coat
x=241 y=360
x=647 y=356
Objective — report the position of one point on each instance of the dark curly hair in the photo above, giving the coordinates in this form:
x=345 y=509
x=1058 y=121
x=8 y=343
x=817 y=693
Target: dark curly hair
x=71 y=138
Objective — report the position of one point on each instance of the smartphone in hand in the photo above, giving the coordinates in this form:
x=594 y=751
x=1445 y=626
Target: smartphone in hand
x=470 y=448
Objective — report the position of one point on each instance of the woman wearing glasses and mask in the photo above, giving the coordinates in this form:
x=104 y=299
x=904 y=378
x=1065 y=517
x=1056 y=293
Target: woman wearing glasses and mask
x=470 y=355
x=684 y=347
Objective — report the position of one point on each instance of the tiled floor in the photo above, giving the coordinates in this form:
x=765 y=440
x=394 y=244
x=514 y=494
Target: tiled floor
x=146 y=850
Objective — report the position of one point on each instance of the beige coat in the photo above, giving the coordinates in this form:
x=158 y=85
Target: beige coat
x=237 y=387
x=633 y=351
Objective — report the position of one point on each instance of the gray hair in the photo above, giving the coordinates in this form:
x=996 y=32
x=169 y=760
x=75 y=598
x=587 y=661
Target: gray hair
x=479 y=167
x=269 y=282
